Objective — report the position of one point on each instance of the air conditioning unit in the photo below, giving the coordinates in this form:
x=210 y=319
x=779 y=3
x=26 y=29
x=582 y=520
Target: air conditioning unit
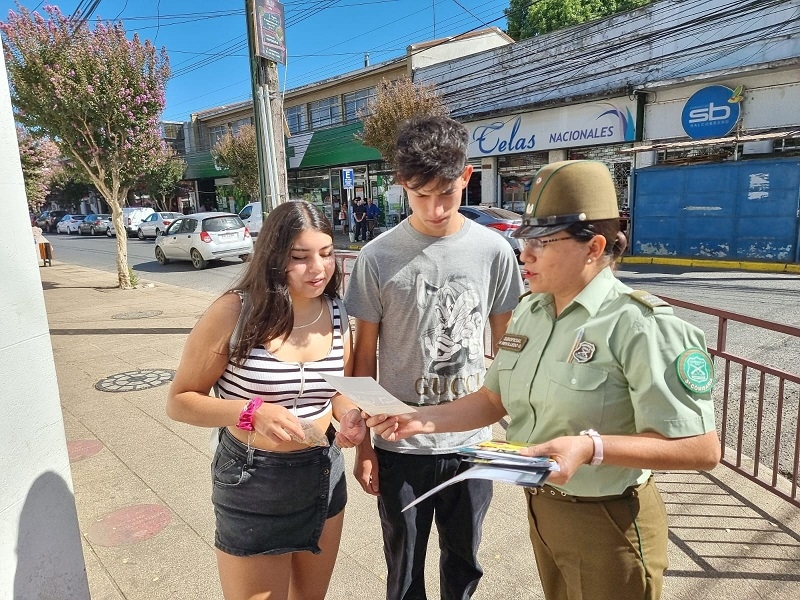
x=762 y=147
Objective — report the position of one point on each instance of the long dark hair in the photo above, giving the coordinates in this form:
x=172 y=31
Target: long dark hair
x=269 y=313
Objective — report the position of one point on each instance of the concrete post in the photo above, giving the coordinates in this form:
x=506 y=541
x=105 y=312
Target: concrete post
x=40 y=547
x=489 y=181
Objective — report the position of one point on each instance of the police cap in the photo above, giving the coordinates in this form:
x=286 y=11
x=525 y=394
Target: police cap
x=568 y=192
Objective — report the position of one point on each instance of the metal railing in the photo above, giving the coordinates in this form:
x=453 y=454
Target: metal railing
x=758 y=404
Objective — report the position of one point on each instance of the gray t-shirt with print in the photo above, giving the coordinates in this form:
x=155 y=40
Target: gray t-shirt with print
x=432 y=297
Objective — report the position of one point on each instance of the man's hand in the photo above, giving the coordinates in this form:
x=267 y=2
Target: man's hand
x=366 y=468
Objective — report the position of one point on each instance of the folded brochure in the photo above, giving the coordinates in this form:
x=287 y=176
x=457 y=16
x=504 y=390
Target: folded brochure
x=497 y=460
x=368 y=395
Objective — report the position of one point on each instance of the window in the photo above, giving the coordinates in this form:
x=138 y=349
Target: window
x=216 y=133
x=296 y=117
x=237 y=125
x=325 y=112
x=354 y=102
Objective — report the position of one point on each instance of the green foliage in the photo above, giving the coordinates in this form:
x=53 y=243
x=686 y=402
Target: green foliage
x=238 y=154
x=527 y=18
x=95 y=93
x=133 y=276
x=161 y=180
x=395 y=102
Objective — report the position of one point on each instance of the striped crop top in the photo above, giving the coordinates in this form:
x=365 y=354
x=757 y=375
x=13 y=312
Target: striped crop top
x=293 y=385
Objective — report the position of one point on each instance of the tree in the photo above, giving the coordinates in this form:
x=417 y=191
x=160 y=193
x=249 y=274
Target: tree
x=39 y=158
x=95 y=93
x=395 y=102
x=237 y=153
x=527 y=18
x=161 y=181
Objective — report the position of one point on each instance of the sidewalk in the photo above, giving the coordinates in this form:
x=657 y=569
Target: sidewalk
x=142 y=484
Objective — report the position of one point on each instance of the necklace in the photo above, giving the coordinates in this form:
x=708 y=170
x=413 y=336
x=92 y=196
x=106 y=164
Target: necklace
x=319 y=316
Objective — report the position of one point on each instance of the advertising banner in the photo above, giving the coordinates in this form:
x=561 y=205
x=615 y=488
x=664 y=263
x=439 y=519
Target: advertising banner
x=564 y=127
x=270 y=31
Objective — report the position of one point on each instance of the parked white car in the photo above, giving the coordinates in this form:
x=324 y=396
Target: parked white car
x=152 y=225
x=69 y=223
x=202 y=237
x=252 y=217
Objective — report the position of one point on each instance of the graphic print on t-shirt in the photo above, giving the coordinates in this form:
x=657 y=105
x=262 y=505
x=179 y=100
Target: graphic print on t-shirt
x=452 y=327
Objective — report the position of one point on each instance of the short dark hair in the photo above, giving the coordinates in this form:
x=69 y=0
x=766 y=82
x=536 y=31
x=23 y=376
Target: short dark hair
x=430 y=149
x=264 y=280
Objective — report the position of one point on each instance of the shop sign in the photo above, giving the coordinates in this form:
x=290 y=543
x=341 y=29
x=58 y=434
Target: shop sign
x=270 y=31
x=348 y=180
x=711 y=112
x=563 y=127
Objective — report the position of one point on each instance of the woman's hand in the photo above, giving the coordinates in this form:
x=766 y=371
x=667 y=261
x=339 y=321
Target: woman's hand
x=352 y=429
x=570 y=452
x=398 y=427
x=277 y=423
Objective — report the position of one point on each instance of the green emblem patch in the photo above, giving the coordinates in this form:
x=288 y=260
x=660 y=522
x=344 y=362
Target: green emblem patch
x=696 y=371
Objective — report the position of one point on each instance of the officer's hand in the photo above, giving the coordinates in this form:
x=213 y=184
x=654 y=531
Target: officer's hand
x=570 y=452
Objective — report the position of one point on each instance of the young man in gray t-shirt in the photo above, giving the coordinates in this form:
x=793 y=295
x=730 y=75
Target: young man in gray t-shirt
x=426 y=289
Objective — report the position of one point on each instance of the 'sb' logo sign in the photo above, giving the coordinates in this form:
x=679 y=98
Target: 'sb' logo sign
x=712 y=112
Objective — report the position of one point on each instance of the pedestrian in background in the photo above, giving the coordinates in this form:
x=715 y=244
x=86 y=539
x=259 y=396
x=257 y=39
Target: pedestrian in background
x=424 y=292
x=373 y=212
x=605 y=380
x=279 y=490
x=360 y=216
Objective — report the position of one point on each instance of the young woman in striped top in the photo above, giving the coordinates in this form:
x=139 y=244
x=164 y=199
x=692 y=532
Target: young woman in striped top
x=278 y=472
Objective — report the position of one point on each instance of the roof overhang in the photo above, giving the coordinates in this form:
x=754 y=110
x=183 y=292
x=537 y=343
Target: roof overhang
x=736 y=139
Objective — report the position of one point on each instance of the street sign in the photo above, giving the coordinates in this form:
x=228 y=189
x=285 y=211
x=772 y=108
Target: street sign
x=348 y=179
x=270 y=36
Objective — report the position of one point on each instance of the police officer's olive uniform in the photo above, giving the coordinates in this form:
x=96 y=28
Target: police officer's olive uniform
x=619 y=362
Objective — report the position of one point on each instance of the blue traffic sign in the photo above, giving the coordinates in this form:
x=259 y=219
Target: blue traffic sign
x=348 y=179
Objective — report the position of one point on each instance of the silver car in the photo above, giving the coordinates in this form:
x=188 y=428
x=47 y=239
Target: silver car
x=153 y=224
x=202 y=237
x=500 y=220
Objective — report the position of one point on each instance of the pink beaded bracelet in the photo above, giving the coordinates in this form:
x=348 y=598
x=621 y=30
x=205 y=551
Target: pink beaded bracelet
x=246 y=416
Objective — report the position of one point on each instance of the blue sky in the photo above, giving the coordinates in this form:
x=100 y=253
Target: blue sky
x=206 y=40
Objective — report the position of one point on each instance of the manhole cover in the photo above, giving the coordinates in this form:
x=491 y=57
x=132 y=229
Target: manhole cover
x=130 y=524
x=139 y=314
x=131 y=381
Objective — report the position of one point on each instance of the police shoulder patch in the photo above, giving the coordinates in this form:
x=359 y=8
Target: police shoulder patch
x=695 y=370
x=648 y=299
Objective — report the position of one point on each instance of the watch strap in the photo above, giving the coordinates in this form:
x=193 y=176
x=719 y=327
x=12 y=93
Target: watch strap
x=597 y=441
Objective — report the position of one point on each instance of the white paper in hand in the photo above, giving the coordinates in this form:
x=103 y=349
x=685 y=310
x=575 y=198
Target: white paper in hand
x=368 y=395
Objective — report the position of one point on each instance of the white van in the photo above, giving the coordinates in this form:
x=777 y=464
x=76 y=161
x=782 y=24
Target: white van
x=252 y=217
x=133 y=215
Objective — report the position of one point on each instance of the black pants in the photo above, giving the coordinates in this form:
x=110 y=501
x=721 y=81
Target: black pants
x=361 y=230
x=459 y=511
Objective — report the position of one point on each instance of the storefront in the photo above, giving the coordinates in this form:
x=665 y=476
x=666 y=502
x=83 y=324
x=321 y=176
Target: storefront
x=511 y=149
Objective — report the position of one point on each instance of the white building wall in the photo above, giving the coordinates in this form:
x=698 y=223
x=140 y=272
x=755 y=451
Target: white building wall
x=456 y=48
x=40 y=549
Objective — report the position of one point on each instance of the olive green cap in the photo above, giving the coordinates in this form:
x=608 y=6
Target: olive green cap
x=568 y=192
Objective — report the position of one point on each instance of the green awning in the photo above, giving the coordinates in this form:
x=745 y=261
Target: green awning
x=337 y=146
x=201 y=165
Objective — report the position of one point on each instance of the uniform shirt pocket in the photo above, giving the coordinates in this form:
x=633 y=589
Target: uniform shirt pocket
x=575 y=396
x=505 y=362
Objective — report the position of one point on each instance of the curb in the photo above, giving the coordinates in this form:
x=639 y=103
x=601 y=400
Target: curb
x=763 y=267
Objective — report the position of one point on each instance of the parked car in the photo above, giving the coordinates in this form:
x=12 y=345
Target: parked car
x=94 y=224
x=252 y=217
x=48 y=219
x=500 y=220
x=111 y=231
x=133 y=215
x=154 y=224
x=202 y=237
x=69 y=223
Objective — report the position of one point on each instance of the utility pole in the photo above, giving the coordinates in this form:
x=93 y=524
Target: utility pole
x=268 y=109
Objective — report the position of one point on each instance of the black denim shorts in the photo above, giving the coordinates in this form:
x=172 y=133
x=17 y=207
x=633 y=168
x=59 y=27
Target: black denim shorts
x=274 y=502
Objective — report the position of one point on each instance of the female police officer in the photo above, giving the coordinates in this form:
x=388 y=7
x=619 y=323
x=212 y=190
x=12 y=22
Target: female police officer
x=603 y=379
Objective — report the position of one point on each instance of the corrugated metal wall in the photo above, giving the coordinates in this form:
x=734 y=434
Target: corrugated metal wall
x=746 y=210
